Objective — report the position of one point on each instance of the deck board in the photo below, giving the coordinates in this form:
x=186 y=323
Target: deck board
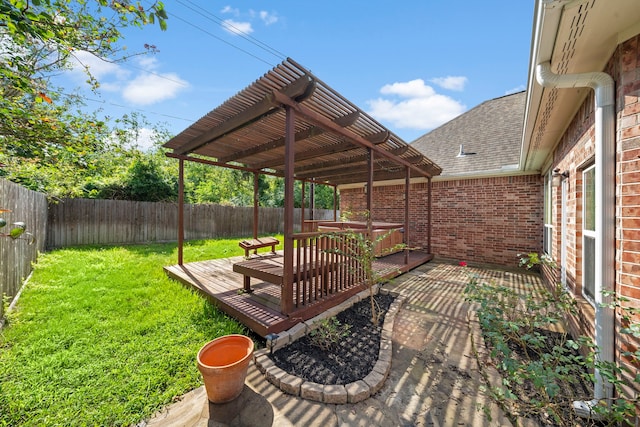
x=260 y=309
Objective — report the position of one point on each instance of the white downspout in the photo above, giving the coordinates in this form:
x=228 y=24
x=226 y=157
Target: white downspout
x=603 y=86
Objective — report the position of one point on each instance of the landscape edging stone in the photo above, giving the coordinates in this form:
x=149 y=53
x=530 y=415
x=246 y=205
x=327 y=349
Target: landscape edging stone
x=354 y=392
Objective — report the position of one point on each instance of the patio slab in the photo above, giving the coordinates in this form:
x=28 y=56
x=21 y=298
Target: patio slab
x=433 y=379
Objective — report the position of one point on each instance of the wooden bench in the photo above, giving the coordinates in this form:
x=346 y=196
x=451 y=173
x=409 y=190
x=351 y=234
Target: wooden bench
x=255 y=244
x=270 y=268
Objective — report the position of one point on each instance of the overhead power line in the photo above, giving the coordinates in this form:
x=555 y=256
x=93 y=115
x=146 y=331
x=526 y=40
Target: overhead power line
x=225 y=24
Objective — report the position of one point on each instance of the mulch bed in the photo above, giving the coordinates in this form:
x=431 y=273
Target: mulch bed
x=347 y=361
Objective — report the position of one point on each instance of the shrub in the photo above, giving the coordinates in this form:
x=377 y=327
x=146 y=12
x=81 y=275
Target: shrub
x=328 y=333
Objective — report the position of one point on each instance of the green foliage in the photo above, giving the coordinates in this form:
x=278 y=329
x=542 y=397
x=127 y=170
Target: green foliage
x=40 y=38
x=144 y=181
x=534 y=260
x=361 y=247
x=49 y=145
x=101 y=336
x=328 y=333
x=542 y=372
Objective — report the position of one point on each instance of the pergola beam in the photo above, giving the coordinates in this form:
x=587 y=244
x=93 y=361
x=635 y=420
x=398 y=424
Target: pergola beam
x=319 y=120
x=301 y=88
x=362 y=176
x=357 y=159
x=241 y=168
x=344 y=121
x=272 y=145
x=348 y=169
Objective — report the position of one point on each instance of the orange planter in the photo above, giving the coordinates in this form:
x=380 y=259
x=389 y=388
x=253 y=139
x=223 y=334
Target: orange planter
x=223 y=364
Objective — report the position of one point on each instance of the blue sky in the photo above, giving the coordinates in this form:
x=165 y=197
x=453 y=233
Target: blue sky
x=412 y=65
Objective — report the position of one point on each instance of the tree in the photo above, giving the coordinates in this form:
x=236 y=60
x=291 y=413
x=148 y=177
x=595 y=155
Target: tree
x=39 y=37
x=42 y=133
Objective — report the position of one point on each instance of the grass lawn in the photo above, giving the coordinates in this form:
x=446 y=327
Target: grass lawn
x=102 y=337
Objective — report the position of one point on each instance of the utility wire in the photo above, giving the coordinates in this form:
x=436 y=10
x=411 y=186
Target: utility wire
x=221 y=39
x=225 y=24
x=211 y=17
x=98 y=101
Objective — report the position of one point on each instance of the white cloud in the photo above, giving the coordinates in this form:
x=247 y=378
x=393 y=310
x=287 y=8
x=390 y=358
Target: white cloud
x=268 y=18
x=414 y=105
x=98 y=67
x=236 y=28
x=451 y=82
x=148 y=62
x=515 y=90
x=143 y=139
x=231 y=10
x=151 y=88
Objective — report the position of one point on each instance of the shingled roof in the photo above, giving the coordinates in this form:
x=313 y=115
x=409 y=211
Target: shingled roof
x=492 y=130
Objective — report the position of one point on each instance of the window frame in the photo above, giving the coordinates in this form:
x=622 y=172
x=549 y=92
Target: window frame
x=587 y=232
x=548 y=209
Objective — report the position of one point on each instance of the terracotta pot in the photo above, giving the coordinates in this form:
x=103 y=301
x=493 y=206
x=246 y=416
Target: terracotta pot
x=223 y=364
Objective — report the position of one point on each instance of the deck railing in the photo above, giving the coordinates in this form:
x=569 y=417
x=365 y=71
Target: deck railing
x=325 y=264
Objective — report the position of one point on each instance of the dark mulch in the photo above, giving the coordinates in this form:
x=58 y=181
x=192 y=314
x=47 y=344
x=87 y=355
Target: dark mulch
x=349 y=360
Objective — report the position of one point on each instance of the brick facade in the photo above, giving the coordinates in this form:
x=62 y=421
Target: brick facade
x=483 y=220
x=627 y=66
x=574 y=153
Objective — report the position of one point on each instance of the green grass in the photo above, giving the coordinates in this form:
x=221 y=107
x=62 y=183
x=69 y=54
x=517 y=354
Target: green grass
x=102 y=337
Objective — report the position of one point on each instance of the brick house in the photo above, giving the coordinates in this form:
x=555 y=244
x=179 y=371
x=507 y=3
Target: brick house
x=575 y=192
x=484 y=209
x=582 y=132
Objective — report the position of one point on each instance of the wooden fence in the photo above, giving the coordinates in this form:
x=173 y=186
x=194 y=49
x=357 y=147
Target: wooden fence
x=17 y=256
x=75 y=222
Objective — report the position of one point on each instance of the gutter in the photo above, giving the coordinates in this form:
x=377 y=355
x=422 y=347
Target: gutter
x=603 y=85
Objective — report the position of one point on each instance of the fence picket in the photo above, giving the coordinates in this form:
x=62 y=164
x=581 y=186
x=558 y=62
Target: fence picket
x=76 y=222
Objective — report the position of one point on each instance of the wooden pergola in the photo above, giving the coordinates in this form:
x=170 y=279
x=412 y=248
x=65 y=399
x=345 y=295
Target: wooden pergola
x=290 y=124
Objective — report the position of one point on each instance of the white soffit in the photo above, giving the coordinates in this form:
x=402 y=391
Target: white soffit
x=587 y=35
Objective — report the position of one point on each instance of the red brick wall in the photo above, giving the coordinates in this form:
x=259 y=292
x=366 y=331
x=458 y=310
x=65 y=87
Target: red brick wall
x=484 y=220
x=573 y=153
x=627 y=64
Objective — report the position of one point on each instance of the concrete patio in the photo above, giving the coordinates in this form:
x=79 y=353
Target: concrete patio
x=433 y=380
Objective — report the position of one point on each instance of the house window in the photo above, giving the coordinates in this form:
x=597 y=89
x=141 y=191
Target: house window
x=548 y=215
x=589 y=232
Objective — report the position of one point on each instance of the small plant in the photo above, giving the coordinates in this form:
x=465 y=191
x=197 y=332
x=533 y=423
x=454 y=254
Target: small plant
x=362 y=248
x=534 y=260
x=543 y=372
x=329 y=333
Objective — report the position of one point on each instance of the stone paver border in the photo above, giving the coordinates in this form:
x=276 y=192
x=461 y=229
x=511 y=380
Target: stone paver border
x=337 y=394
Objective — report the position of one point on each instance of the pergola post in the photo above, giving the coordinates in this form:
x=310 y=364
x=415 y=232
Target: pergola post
x=429 y=184
x=180 y=211
x=407 y=182
x=370 y=195
x=335 y=202
x=286 y=300
x=302 y=206
x=256 y=203
x=312 y=201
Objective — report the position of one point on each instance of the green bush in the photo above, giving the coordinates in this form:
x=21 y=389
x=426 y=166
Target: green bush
x=542 y=371
x=328 y=333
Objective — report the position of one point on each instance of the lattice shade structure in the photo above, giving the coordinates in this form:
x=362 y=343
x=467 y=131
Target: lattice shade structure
x=289 y=123
x=332 y=136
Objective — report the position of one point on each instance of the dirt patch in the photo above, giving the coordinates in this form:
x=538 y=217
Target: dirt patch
x=347 y=361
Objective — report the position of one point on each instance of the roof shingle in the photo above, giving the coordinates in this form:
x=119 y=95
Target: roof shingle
x=492 y=130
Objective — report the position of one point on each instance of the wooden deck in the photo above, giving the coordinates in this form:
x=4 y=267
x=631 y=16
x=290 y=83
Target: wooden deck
x=260 y=309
